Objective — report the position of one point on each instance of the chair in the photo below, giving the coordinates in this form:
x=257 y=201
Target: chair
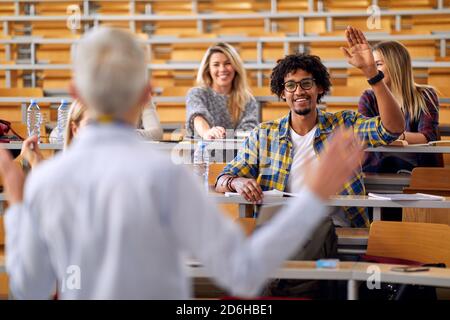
x=430 y=180
x=433 y=181
x=230 y=209
x=421 y=242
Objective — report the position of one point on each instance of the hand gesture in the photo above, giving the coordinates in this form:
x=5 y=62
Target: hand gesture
x=359 y=53
x=31 y=152
x=336 y=164
x=214 y=133
x=13 y=177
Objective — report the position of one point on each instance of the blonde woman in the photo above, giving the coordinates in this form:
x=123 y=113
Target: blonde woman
x=222 y=101
x=419 y=104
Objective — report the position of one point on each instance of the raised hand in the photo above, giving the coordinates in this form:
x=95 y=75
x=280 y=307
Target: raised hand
x=336 y=165
x=31 y=152
x=359 y=53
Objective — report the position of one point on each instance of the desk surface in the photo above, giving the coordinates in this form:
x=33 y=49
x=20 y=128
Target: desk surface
x=410 y=149
x=235 y=144
x=439 y=277
x=335 y=201
x=342 y=201
x=359 y=271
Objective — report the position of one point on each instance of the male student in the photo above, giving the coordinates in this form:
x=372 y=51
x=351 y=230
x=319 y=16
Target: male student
x=275 y=151
x=112 y=218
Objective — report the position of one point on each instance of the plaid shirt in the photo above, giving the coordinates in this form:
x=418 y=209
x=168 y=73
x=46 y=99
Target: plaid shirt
x=427 y=124
x=266 y=153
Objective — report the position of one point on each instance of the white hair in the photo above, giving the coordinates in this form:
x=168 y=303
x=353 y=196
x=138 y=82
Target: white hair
x=110 y=71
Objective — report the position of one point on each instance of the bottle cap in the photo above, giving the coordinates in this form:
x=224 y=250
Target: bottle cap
x=63 y=101
x=33 y=101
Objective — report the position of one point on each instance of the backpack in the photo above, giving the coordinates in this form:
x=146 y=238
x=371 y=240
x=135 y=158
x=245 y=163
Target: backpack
x=398 y=291
x=5 y=127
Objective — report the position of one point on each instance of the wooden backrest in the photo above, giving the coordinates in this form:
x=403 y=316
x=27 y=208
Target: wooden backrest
x=214 y=170
x=21 y=92
x=422 y=242
x=423 y=177
x=175 y=91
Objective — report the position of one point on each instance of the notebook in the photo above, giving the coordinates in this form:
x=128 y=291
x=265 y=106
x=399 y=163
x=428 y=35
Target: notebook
x=405 y=196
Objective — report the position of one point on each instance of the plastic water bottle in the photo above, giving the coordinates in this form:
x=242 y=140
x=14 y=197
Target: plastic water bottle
x=34 y=120
x=63 y=113
x=201 y=163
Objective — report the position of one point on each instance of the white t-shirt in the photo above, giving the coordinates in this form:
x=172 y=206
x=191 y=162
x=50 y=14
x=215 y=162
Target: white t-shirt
x=302 y=151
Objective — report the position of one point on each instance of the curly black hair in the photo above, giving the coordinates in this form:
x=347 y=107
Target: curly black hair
x=292 y=63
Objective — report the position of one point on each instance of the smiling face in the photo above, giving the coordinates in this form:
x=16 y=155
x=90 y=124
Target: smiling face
x=301 y=101
x=381 y=65
x=222 y=72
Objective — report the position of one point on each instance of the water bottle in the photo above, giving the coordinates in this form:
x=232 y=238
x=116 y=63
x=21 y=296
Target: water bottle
x=63 y=113
x=34 y=120
x=201 y=163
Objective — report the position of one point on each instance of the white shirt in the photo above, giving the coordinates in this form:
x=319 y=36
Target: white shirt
x=126 y=217
x=302 y=151
x=150 y=121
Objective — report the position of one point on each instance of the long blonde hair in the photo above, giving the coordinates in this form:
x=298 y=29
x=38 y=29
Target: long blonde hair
x=240 y=92
x=76 y=113
x=410 y=95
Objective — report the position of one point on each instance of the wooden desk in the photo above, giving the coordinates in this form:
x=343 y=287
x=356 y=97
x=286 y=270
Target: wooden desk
x=42 y=146
x=410 y=149
x=339 y=201
x=438 y=277
x=352 y=272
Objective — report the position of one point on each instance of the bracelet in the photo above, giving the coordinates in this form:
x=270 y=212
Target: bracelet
x=229 y=186
x=403 y=136
x=224 y=181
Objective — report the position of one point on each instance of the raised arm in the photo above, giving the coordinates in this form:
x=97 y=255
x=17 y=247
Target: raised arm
x=359 y=54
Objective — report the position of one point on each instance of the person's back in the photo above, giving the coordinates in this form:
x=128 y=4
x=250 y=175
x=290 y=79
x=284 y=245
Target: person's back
x=110 y=219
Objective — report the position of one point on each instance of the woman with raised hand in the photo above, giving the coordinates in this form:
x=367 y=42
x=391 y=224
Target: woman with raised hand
x=419 y=104
x=222 y=101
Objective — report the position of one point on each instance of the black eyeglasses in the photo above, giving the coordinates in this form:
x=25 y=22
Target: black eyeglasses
x=305 y=84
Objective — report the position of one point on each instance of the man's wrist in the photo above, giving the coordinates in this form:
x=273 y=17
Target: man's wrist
x=230 y=185
x=403 y=136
